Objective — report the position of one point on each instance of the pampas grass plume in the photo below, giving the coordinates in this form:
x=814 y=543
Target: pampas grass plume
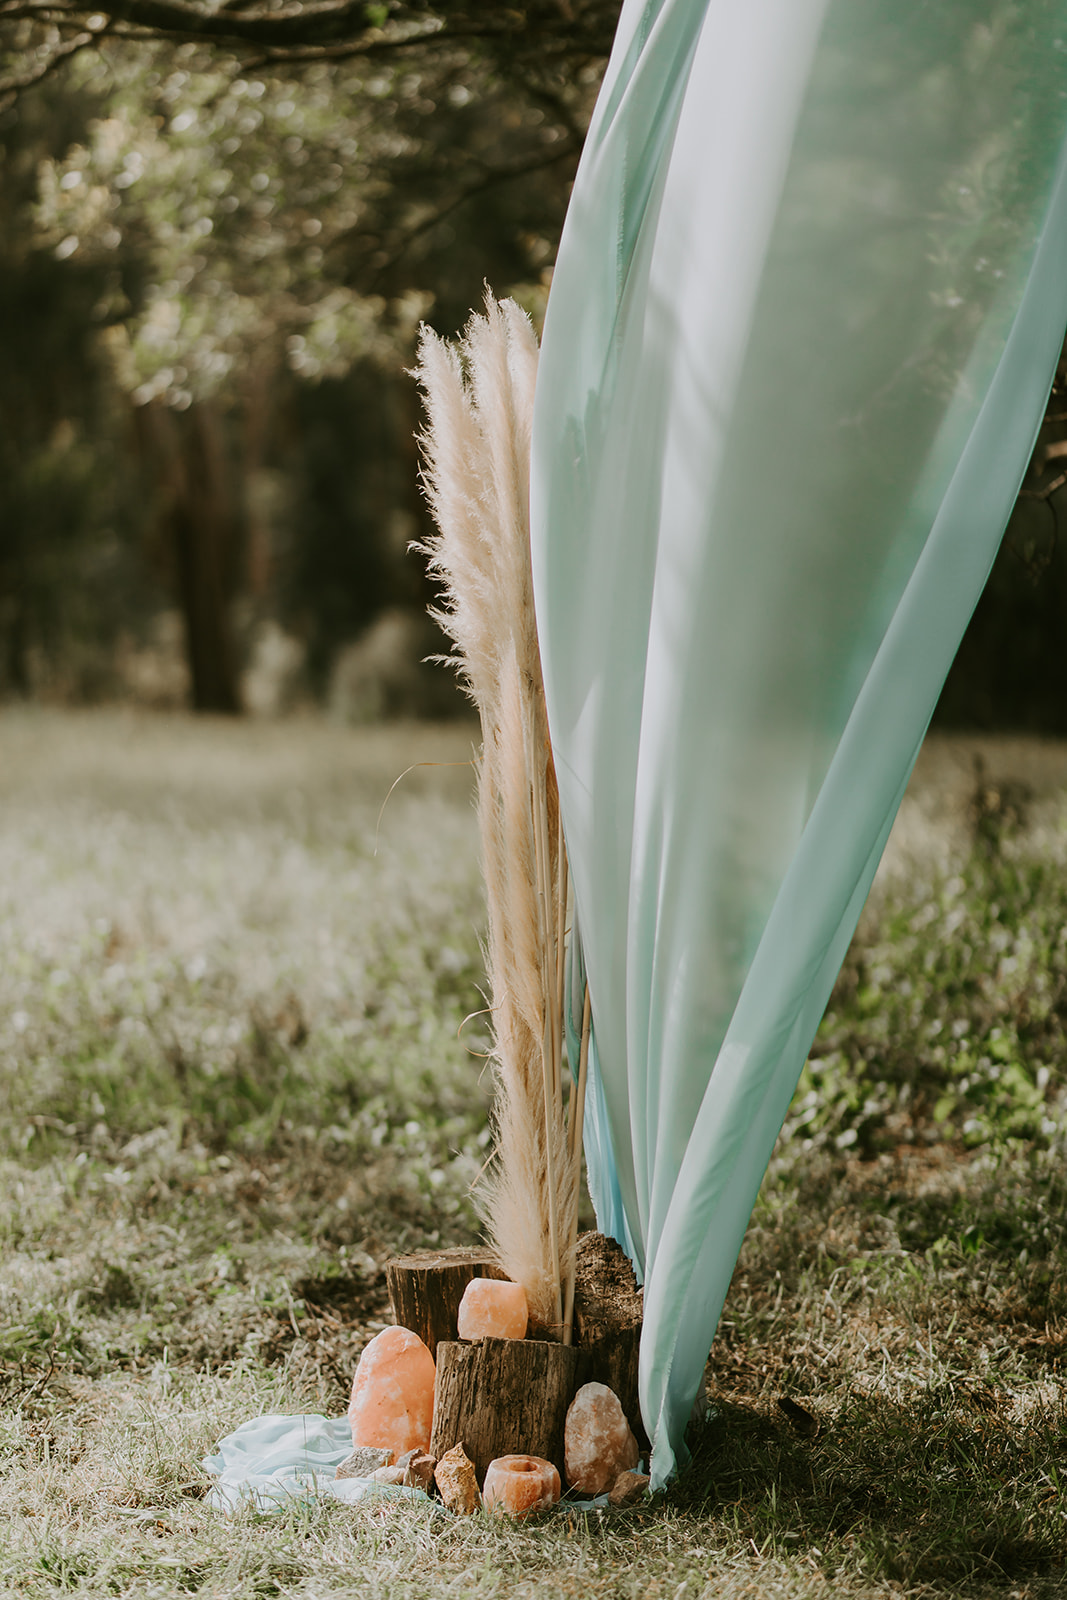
x=476 y=471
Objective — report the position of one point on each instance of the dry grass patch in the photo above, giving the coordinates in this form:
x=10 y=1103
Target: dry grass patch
x=231 y=1086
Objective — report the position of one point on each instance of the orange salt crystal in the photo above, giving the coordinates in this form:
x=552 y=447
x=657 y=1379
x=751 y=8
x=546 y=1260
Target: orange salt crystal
x=598 y=1443
x=520 y=1485
x=392 y=1393
x=493 y=1309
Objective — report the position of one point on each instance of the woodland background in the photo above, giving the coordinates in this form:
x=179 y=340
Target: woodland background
x=219 y=231
x=242 y=1031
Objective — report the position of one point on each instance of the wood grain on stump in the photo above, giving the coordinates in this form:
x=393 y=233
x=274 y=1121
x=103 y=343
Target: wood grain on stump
x=425 y=1289
x=503 y=1397
x=608 y=1308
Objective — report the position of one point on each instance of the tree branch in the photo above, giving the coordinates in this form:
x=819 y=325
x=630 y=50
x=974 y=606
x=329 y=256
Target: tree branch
x=486 y=181
x=13 y=85
x=296 y=33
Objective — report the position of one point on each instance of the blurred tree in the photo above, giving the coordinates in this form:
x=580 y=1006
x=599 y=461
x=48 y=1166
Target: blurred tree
x=219 y=229
x=288 y=226
x=65 y=508
x=526 y=40
x=1011 y=668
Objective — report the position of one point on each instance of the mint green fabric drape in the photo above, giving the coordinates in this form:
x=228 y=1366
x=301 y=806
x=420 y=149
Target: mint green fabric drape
x=800 y=335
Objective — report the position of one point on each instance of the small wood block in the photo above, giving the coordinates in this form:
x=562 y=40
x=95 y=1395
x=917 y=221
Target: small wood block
x=425 y=1289
x=608 y=1308
x=503 y=1397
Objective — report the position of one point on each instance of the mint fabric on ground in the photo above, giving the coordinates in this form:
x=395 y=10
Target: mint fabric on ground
x=269 y=1462
x=801 y=331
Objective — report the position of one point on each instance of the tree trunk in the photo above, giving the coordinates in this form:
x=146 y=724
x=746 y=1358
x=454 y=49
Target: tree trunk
x=608 y=1308
x=201 y=526
x=425 y=1289
x=503 y=1397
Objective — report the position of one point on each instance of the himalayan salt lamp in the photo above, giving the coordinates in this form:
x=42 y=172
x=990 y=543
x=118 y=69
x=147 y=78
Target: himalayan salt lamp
x=520 y=1485
x=392 y=1393
x=493 y=1308
x=597 y=1441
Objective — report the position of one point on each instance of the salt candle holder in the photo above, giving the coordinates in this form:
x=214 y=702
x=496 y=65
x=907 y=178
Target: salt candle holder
x=520 y=1485
x=492 y=1308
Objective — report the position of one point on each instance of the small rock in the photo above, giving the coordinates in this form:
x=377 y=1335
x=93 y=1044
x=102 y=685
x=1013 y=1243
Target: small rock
x=457 y=1483
x=394 y=1475
x=364 y=1462
x=597 y=1441
x=418 y=1473
x=628 y=1488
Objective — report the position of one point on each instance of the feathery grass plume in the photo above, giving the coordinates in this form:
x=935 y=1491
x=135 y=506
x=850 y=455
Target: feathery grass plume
x=476 y=452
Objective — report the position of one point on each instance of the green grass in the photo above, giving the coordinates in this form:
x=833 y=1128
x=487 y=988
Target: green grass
x=231 y=1085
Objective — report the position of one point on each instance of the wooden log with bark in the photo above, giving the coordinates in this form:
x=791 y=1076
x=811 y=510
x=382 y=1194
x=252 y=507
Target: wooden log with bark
x=425 y=1289
x=608 y=1308
x=502 y=1397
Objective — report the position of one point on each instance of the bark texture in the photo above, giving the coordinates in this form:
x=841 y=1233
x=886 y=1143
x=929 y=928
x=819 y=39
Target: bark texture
x=608 y=1308
x=425 y=1289
x=503 y=1397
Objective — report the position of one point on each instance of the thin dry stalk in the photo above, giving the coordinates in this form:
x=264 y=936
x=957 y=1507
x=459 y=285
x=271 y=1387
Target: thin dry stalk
x=479 y=401
x=575 y=1152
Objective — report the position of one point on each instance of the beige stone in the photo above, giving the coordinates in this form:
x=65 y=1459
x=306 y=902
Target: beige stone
x=363 y=1462
x=457 y=1483
x=598 y=1443
x=392 y=1475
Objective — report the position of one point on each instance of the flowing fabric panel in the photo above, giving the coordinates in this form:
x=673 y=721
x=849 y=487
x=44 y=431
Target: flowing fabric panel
x=801 y=331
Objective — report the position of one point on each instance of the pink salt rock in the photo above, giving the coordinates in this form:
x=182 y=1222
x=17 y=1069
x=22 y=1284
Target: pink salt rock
x=492 y=1308
x=392 y=1393
x=597 y=1441
x=520 y=1485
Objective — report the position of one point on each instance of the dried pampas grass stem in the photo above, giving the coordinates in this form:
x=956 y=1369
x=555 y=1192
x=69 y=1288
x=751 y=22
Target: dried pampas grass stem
x=476 y=451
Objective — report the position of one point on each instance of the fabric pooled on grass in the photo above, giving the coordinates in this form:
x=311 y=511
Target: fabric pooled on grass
x=270 y=1462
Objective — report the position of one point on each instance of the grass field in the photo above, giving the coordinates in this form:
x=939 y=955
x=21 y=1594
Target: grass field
x=232 y=1084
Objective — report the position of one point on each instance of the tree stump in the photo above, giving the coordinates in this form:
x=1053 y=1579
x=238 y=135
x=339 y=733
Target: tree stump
x=608 y=1307
x=503 y=1397
x=425 y=1289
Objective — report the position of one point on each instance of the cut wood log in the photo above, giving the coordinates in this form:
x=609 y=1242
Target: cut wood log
x=503 y=1397
x=608 y=1308
x=425 y=1289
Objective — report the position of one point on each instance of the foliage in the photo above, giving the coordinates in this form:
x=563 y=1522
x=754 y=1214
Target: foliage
x=1009 y=671
x=66 y=505
x=541 y=37
x=948 y=1019
x=223 y=235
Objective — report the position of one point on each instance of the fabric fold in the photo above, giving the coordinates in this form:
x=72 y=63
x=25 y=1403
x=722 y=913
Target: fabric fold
x=801 y=331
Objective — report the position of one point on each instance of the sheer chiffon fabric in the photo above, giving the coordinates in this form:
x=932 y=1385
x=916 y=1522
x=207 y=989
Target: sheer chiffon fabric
x=801 y=332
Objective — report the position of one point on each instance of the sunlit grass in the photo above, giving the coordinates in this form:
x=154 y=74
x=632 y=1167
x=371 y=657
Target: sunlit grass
x=231 y=1086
